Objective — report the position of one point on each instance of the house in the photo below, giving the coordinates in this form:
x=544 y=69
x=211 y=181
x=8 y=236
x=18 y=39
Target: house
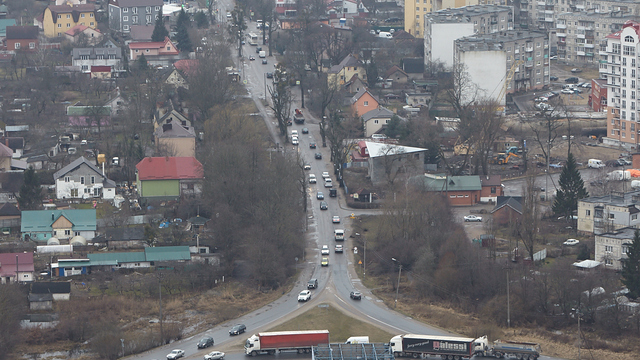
x=345 y=70
x=57 y=19
x=125 y=237
x=508 y=210
x=82 y=34
x=16 y=144
x=3 y=26
x=126 y=13
x=42 y=225
x=169 y=177
x=355 y=84
x=22 y=38
x=396 y=75
x=141 y=32
x=363 y=102
x=387 y=161
x=100 y=72
x=8 y=211
x=175 y=139
x=160 y=53
x=89 y=117
x=375 y=120
x=459 y=190
x=87 y=57
x=81 y=179
x=16 y=264
x=174 y=78
x=413 y=67
x=117 y=103
x=6 y=154
x=491 y=188
x=598 y=95
x=602 y=214
x=60 y=290
x=417 y=99
x=197 y=224
x=162 y=116
x=612 y=247
x=40 y=301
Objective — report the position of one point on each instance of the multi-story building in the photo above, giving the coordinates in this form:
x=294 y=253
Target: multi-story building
x=125 y=13
x=485 y=57
x=545 y=12
x=612 y=247
x=598 y=95
x=57 y=19
x=602 y=214
x=85 y=58
x=582 y=34
x=443 y=27
x=619 y=66
x=414 y=12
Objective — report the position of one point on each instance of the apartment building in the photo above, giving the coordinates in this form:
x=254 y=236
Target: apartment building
x=126 y=13
x=545 y=12
x=57 y=19
x=602 y=214
x=612 y=247
x=619 y=66
x=582 y=34
x=414 y=12
x=487 y=56
x=443 y=27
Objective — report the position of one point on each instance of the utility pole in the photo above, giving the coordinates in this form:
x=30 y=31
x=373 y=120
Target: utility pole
x=160 y=293
x=508 y=302
x=397 y=287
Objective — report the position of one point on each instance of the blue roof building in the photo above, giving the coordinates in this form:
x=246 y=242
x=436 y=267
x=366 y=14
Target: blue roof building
x=42 y=225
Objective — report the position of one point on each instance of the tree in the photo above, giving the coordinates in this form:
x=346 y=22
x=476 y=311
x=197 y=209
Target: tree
x=210 y=70
x=237 y=27
x=527 y=230
x=11 y=312
x=182 y=32
x=30 y=197
x=202 y=22
x=281 y=100
x=631 y=267
x=571 y=189
x=141 y=64
x=159 y=30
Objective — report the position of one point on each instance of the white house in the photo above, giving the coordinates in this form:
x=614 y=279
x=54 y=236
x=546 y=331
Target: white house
x=83 y=180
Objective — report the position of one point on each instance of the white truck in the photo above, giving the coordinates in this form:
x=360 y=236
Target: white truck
x=357 y=339
x=500 y=349
x=595 y=164
x=262 y=54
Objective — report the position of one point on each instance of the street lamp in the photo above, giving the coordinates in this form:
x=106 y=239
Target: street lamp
x=397 y=287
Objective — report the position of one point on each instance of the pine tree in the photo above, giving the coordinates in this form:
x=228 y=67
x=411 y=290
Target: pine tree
x=202 y=22
x=141 y=63
x=159 y=31
x=30 y=196
x=182 y=32
x=571 y=189
x=631 y=267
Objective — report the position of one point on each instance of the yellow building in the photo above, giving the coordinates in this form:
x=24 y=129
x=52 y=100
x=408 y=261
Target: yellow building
x=60 y=18
x=343 y=72
x=414 y=11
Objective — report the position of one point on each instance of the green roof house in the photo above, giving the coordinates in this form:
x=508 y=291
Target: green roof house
x=55 y=225
x=459 y=190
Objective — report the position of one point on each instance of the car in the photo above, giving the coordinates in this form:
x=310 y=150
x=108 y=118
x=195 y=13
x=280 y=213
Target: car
x=471 y=218
x=325 y=174
x=355 y=295
x=571 y=242
x=336 y=219
x=318 y=156
x=83 y=142
x=328 y=183
x=175 y=354
x=586 y=85
x=555 y=166
x=324 y=250
x=205 y=342
x=324 y=262
x=576 y=70
x=554 y=57
x=294 y=133
x=312 y=145
x=305 y=295
x=571 y=80
x=294 y=140
x=577 y=91
x=323 y=205
x=312 y=284
x=237 y=329
x=553 y=78
x=306 y=166
x=567 y=91
x=264 y=61
x=320 y=195
x=258 y=49
x=214 y=355
x=269 y=75
x=251 y=58
x=541 y=99
x=312 y=178
x=305 y=130
x=339 y=249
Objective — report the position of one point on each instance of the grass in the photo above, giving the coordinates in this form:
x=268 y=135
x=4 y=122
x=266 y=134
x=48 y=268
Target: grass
x=340 y=326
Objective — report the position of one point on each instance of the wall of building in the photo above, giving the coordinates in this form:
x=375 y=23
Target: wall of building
x=484 y=68
x=441 y=39
x=182 y=147
x=159 y=188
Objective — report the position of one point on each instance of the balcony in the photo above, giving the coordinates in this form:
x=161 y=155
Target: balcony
x=580 y=36
x=580 y=7
x=540 y=3
x=529 y=49
x=528 y=64
x=516 y=51
x=548 y=19
x=548 y=12
x=561 y=35
x=561 y=26
x=580 y=53
x=581 y=28
x=590 y=46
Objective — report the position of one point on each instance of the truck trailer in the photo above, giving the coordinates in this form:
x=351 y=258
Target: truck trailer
x=500 y=349
x=272 y=342
x=298 y=117
x=418 y=346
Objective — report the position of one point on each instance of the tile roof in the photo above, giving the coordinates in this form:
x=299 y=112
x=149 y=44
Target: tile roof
x=125 y=233
x=75 y=10
x=41 y=220
x=360 y=93
x=8 y=209
x=348 y=61
x=380 y=112
x=491 y=180
x=167 y=253
x=376 y=149
x=174 y=129
x=514 y=202
x=169 y=168
x=392 y=70
x=141 y=32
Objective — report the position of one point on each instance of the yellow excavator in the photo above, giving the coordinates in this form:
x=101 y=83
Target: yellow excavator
x=503 y=158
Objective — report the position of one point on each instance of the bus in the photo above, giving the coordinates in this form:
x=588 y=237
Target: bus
x=253 y=39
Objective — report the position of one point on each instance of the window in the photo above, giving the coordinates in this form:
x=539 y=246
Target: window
x=612 y=216
x=148 y=19
x=82 y=180
x=158 y=7
x=77 y=233
x=628 y=50
x=634 y=217
x=67 y=179
x=608 y=262
x=493 y=189
x=125 y=18
x=366 y=103
x=69 y=25
x=168 y=48
x=67 y=232
x=134 y=10
x=59 y=25
x=608 y=248
x=17 y=45
x=125 y=28
x=59 y=16
x=148 y=9
x=91 y=15
x=68 y=16
x=125 y=10
x=134 y=19
x=628 y=39
x=588 y=213
x=625 y=248
x=93 y=180
x=82 y=15
x=74 y=192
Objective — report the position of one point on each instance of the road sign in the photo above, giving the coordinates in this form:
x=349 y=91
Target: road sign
x=244 y=82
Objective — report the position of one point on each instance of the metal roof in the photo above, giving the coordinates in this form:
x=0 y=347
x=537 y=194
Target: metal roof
x=373 y=351
x=167 y=253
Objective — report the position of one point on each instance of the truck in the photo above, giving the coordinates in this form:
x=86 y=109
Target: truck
x=447 y=347
x=272 y=342
x=500 y=349
x=595 y=164
x=357 y=339
x=298 y=117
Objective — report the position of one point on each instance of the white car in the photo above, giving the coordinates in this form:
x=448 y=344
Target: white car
x=214 y=355
x=567 y=91
x=571 y=242
x=328 y=183
x=325 y=174
x=294 y=133
x=294 y=140
x=470 y=218
x=305 y=295
x=175 y=354
x=312 y=178
x=325 y=250
x=339 y=248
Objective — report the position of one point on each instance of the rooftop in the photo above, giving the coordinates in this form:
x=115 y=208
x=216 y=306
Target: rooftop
x=616 y=198
x=169 y=168
x=448 y=183
x=376 y=149
x=464 y=14
x=496 y=41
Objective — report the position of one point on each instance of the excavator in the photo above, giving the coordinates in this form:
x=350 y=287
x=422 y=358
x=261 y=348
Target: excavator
x=503 y=158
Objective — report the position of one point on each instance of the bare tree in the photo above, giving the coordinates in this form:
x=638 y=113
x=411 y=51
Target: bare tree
x=528 y=229
x=210 y=70
x=281 y=100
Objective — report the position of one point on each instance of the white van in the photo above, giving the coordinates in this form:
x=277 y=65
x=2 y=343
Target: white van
x=262 y=54
x=595 y=164
x=357 y=340
x=385 y=35
x=339 y=234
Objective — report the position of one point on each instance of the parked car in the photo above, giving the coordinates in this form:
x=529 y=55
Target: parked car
x=237 y=329
x=175 y=354
x=571 y=242
x=325 y=250
x=576 y=70
x=318 y=156
x=214 y=355
x=269 y=75
x=553 y=78
x=336 y=219
x=323 y=205
x=324 y=262
x=320 y=195
x=586 y=85
x=307 y=166
x=567 y=91
x=305 y=295
x=572 y=80
x=355 y=295
x=554 y=57
x=205 y=342
x=471 y=218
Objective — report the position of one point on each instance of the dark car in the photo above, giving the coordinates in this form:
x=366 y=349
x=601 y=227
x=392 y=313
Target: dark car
x=205 y=342
x=312 y=284
x=312 y=145
x=258 y=49
x=305 y=130
x=355 y=295
x=269 y=75
x=572 y=80
x=333 y=193
x=324 y=205
x=264 y=61
x=237 y=329
x=553 y=78
x=318 y=156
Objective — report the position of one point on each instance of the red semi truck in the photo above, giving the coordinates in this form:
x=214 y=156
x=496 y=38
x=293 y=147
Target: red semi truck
x=270 y=342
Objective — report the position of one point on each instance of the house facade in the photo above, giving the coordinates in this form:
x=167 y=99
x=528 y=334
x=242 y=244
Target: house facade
x=160 y=178
x=458 y=190
x=374 y=120
x=83 y=180
x=42 y=225
x=85 y=58
x=83 y=34
x=491 y=188
x=126 y=13
x=16 y=266
x=22 y=38
x=388 y=162
x=508 y=210
x=602 y=214
x=345 y=70
x=160 y=53
x=60 y=18
x=175 y=139
x=363 y=102
x=612 y=247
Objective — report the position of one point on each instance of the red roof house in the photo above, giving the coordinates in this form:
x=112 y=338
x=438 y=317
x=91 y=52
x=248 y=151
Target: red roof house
x=22 y=38
x=156 y=53
x=12 y=264
x=165 y=178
